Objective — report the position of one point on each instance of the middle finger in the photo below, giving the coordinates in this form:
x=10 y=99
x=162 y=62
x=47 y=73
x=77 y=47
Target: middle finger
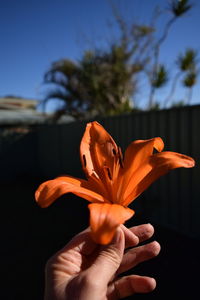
x=143 y=232
x=137 y=255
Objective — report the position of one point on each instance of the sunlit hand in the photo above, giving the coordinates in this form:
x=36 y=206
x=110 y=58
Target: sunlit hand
x=83 y=270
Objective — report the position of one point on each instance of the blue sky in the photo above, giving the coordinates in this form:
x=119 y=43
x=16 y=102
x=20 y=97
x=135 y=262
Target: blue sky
x=33 y=34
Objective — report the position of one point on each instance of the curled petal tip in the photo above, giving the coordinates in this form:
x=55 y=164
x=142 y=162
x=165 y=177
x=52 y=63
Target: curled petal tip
x=188 y=161
x=191 y=163
x=158 y=144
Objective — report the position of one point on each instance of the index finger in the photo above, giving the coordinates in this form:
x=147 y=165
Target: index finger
x=137 y=234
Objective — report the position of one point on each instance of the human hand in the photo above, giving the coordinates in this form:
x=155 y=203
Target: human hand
x=83 y=270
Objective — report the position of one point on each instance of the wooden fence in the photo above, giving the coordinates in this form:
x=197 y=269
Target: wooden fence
x=172 y=201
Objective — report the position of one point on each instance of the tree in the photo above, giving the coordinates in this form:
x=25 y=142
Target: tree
x=106 y=81
x=177 y=9
x=187 y=65
x=158 y=79
x=102 y=82
x=189 y=82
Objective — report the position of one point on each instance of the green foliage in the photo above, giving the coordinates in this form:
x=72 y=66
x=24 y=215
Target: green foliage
x=98 y=83
x=160 y=77
x=102 y=81
x=187 y=65
x=180 y=7
x=188 y=60
x=190 y=79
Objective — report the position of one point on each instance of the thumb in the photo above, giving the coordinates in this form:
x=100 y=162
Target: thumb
x=109 y=258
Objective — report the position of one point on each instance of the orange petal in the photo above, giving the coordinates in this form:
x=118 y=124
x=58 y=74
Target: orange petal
x=139 y=150
x=158 y=165
x=97 y=150
x=104 y=220
x=51 y=190
x=135 y=156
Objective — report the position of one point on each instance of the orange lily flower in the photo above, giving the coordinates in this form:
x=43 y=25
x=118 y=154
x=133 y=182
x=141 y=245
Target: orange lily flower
x=112 y=182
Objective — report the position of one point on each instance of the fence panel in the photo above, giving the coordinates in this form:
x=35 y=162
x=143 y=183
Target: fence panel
x=172 y=201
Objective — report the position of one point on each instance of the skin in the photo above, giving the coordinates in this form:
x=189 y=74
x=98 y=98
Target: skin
x=83 y=270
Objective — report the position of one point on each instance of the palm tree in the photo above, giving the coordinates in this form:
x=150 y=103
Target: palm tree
x=186 y=63
x=100 y=83
x=159 y=80
x=178 y=8
x=189 y=82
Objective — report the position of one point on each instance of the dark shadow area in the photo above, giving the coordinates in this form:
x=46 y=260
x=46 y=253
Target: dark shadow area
x=31 y=235
x=176 y=268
